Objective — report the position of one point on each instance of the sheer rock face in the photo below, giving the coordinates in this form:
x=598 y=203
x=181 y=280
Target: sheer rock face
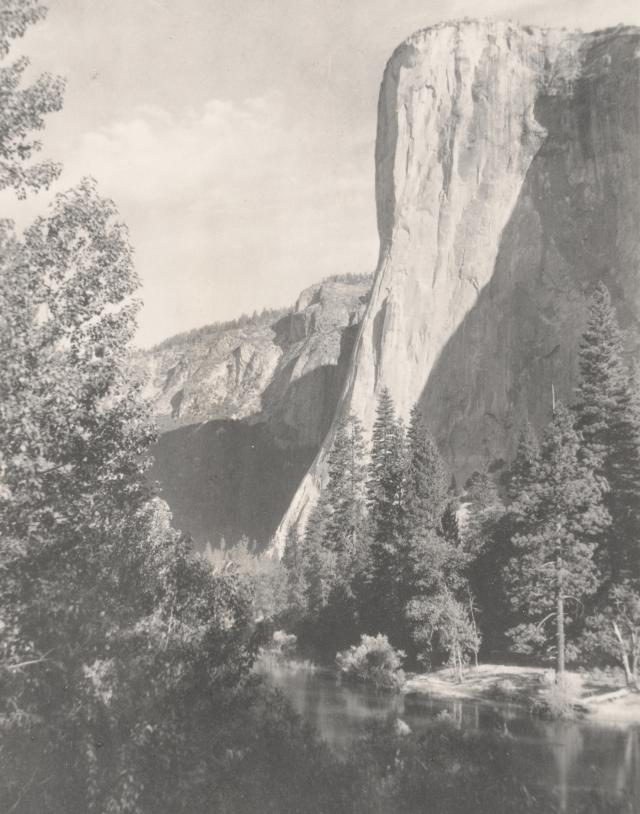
x=507 y=170
x=282 y=371
x=243 y=409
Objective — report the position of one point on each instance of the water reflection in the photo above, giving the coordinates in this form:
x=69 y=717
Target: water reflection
x=575 y=759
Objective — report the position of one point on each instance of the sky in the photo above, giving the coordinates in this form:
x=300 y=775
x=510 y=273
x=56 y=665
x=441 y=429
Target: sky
x=237 y=136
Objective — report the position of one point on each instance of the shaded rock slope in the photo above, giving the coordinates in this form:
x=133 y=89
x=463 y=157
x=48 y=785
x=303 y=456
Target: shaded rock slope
x=243 y=408
x=507 y=185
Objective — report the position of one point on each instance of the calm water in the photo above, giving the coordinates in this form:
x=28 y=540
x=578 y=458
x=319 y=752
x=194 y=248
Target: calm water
x=573 y=757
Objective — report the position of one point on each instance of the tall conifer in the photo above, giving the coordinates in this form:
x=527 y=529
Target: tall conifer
x=605 y=417
x=384 y=498
x=562 y=516
x=427 y=479
x=524 y=466
x=345 y=492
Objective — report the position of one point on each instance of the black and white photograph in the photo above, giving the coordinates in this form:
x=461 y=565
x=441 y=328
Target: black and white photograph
x=319 y=407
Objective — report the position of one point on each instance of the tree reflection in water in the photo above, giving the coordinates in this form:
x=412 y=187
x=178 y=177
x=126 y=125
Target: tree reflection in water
x=576 y=758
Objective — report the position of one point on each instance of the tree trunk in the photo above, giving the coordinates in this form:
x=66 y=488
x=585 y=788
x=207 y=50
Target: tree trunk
x=629 y=668
x=560 y=623
x=457 y=660
x=475 y=627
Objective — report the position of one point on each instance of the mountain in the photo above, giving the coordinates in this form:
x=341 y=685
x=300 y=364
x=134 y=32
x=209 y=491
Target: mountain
x=507 y=186
x=243 y=407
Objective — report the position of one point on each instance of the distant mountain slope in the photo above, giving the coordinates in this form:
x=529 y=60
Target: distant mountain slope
x=243 y=407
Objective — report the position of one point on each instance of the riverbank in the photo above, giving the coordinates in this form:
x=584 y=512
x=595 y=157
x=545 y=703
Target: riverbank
x=598 y=697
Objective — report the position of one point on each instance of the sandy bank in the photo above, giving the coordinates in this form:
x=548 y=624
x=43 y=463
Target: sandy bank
x=601 y=699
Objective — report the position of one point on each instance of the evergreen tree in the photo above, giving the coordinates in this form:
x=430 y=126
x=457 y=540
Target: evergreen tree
x=606 y=419
x=386 y=471
x=483 y=508
x=319 y=562
x=345 y=496
x=524 y=466
x=426 y=481
x=449 y=522
x=422 y=551
x=294 y=565
x=562 y=516
x=383 y=610
x=489 y=531
x=431 y=560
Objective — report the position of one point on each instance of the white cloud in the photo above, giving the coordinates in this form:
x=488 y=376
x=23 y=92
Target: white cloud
x=156 y=159
x=231 y=207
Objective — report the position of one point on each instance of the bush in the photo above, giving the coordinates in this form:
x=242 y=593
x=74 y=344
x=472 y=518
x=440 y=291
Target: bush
x=373 y=661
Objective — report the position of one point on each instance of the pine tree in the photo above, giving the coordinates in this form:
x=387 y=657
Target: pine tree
x=524 y=466
x=384 y=497
x=606 y=419
x=490 y=528
x=345 y=495
x=386 y=471
x=427 y=479
x=319 y=562
x=294 y=565
x=424 y=551
x=563 y=514
x=449 y=522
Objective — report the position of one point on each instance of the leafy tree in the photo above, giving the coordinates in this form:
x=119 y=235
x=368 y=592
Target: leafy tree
x=441 y=619
x=73 y=424
x=23 y=110
x=372 y=661
x=606 y=419
x=561 y=515
x=614 y=630
x=108 y=620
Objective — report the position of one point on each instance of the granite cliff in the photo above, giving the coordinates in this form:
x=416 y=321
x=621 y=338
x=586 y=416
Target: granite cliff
x=507 y=185
x=244 y=406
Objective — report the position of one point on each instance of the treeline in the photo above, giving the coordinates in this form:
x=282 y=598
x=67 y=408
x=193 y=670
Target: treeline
x=255 y=320
x=349 y=277
x=545 y=564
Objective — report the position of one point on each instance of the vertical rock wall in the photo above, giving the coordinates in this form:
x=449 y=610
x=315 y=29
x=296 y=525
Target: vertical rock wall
x=507 y=170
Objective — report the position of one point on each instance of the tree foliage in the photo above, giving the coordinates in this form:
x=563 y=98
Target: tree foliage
x=614 y=630
x=611 y=431
x=23 y=109
x=560 y=515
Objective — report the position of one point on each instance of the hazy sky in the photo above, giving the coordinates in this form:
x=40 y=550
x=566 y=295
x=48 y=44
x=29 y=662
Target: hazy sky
x=237 y=136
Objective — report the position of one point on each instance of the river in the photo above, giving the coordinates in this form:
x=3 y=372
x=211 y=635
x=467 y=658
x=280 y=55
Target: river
x=574 y=756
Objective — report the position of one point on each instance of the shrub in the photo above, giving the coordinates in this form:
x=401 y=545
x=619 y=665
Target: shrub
x=373 y=661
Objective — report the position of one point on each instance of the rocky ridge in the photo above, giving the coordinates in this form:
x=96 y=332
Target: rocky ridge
x=244 y=406
x=507 y=181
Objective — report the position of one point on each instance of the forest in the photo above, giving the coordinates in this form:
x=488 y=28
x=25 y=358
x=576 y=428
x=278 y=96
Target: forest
x=541 y=562
x=126 y=658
